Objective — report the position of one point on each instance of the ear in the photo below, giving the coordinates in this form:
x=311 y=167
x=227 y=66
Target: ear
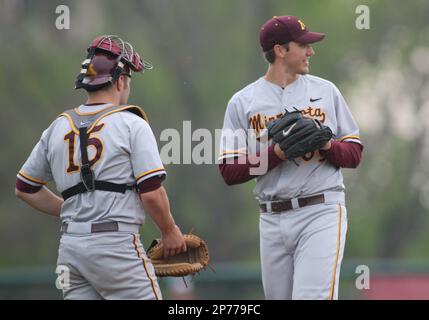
x=280 y=51
x=120 y=83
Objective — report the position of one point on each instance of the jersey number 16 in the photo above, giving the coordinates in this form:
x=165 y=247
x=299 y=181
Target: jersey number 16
x=70 y=138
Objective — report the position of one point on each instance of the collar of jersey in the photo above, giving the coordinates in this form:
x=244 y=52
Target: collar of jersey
x=94 y=109
x=125 y=107
x=288 y=87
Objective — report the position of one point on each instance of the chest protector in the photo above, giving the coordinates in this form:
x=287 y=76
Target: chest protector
x=82 y=125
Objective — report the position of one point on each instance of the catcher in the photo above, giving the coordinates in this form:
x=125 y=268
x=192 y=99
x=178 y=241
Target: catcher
x=104 y=160
x=303 y=218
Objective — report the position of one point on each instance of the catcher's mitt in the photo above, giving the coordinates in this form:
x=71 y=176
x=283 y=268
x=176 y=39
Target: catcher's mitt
x=186 y=263
x=298 y=135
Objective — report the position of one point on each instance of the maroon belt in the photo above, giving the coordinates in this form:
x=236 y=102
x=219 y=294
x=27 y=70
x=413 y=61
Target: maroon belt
x=280 y=206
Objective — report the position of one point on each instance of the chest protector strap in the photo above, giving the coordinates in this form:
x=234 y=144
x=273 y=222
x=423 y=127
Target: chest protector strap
x=82 y=125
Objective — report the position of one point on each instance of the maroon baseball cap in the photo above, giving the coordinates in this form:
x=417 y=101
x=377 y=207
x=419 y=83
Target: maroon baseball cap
x=283 y=29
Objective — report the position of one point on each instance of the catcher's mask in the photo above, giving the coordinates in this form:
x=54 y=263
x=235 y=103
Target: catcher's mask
x=108 y=58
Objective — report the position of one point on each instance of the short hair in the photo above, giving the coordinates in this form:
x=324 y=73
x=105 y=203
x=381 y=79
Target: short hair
x=270 y=55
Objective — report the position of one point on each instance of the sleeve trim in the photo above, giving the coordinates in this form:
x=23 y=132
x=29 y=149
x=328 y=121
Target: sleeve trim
x=144 y=174
x=30 y=178
x=355 y=138
x=235 y=152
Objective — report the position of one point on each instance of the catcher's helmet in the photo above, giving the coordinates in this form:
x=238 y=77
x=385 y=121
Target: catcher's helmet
x=108 y=57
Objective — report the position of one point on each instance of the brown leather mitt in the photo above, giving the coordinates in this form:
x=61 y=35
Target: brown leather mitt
x=186 y=263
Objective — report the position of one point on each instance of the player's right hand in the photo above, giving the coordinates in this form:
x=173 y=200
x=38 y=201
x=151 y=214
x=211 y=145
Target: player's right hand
x=173 y=240
x=279 y=152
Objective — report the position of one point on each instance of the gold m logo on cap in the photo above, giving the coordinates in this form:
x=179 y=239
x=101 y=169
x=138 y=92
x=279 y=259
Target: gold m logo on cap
x=91 y=71
x=301 y=24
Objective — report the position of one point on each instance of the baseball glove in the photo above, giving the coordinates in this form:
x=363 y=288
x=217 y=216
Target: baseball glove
x=298 y=135
x=186 y=263
x=283 y=123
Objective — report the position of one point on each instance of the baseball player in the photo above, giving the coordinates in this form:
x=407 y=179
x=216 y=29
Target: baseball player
x=303 y=218
x=104 y=160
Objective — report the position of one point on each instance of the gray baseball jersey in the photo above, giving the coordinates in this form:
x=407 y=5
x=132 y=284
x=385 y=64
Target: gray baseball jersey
x=262 y=101
x=121 y=149
x=302 y=247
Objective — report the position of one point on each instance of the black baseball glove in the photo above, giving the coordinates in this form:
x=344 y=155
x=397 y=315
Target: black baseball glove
x=298 y=135
x=284 y=122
